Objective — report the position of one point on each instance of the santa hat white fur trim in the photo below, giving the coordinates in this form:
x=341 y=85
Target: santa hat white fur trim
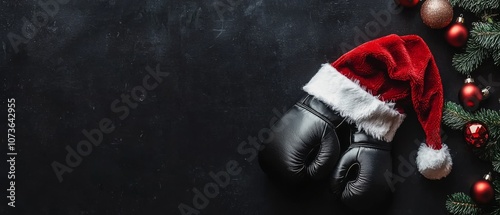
x=377 y=118
x=434 y=164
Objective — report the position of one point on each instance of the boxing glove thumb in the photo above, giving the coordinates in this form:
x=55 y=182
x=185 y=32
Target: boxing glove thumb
x=359 y=177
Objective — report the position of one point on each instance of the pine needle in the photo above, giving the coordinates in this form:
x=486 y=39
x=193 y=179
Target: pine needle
x=461 y=204
x=496 y=163
x=484 y=41
x=496 y=56
x=469 y=60
x=455 y=117
x=487 y=35
x=488 y=152
x=476 y=6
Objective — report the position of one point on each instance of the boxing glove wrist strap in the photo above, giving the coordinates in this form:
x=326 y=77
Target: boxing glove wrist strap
x=330 y=123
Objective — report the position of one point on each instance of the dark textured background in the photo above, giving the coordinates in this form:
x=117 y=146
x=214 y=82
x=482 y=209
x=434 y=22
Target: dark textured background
x=227 y=72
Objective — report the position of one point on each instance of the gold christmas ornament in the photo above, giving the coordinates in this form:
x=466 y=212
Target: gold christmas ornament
x=436 y=13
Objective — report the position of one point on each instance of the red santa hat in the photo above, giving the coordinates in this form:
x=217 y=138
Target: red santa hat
x=372 y=84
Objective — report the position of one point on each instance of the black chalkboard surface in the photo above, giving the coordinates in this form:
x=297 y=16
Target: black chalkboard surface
x=141 y=107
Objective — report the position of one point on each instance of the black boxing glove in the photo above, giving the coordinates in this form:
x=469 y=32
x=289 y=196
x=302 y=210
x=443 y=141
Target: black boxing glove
x=304 y=146
x=359 y=177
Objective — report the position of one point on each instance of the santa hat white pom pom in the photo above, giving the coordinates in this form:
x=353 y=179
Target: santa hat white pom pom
x=434 y=164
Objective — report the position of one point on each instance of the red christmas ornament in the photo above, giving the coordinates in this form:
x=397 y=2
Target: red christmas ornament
x=470 y=95
x=457 y=34
x=482 y=191
x=476 y=134
x=407 y=3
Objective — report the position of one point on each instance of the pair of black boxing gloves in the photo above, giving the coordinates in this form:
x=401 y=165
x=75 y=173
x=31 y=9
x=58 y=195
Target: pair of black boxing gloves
x=307 y=147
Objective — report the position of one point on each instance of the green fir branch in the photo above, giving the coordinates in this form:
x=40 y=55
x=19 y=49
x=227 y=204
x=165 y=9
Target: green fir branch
x=496 y=186
x=487 y=35
x=496 y=56
x=496 y=163
x=491 y=119
x=462 y=204
x=488 y=152
x=484 y=41
x=469 y=60
x=455 y=117
x=476 y=6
